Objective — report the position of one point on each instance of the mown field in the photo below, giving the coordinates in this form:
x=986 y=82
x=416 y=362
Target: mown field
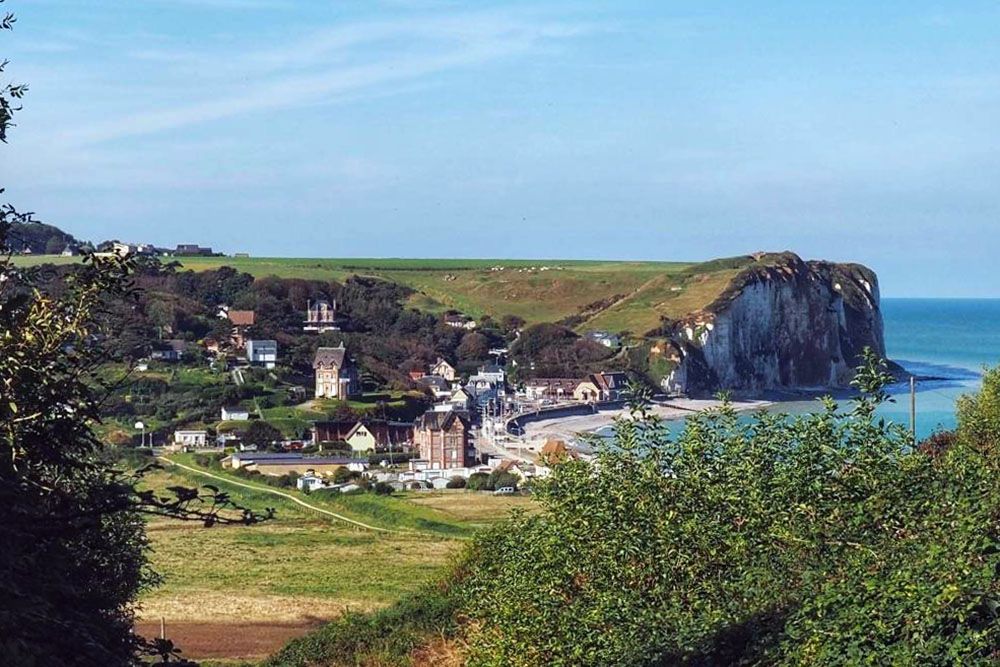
x=235 y=593
x=612 y=295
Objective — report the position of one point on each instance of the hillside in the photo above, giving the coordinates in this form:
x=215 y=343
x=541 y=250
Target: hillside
x=754 y=322
x=611 y=295
x=38 y=238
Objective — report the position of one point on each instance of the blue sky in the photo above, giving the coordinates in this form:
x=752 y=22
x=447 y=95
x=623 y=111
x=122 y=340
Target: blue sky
x=851 y=131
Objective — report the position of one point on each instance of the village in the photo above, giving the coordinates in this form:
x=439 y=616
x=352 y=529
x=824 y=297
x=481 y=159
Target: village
x=471 y=434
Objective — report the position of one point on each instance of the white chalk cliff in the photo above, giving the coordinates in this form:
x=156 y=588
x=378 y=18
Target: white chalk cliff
x=783 y=323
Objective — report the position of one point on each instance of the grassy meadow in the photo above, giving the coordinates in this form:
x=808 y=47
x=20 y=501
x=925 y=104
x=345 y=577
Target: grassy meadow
x=612 y=295
x=302 y=567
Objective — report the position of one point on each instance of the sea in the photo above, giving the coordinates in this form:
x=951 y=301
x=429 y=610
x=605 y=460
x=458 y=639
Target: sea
x=947 y=343
x=952 y=340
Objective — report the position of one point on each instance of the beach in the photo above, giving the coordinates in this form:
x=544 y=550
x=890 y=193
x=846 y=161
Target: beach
x=570 y=428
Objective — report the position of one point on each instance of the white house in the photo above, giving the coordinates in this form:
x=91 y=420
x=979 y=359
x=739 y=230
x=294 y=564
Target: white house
x=605 y=338
x=262 y=352
x=459 y=321
x=461 y=399
x=311 y=482
x=191 y=438
x=234 y=413
x=491 y=373
x=444 y=370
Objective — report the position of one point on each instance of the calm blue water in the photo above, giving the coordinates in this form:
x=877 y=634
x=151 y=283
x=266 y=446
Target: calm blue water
x=948 y=339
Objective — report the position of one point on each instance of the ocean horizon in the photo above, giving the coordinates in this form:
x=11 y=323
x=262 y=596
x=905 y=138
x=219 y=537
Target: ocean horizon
x=948 y=342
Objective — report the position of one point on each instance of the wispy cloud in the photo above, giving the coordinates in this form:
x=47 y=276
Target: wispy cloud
x=327 y=65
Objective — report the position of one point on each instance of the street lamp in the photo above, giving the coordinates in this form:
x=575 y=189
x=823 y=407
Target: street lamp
x=142 y=436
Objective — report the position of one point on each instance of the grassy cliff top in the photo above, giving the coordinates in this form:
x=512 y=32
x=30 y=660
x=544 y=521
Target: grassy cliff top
x=610 y=295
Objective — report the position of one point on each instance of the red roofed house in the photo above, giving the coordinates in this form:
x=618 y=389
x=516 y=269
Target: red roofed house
x=241 y=321
x=600 y=387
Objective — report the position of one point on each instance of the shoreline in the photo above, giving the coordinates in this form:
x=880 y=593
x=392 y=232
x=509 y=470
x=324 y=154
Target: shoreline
x=571 y=428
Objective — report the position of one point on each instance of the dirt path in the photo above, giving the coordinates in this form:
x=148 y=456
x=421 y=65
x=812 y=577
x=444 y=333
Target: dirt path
x=275 y=492
x=229 y=641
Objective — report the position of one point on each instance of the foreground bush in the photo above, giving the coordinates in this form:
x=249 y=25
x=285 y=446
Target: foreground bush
x=387 y=637
x=823 y=539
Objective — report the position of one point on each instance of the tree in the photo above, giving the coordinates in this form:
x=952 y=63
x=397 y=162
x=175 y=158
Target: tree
x=73 y=559
x=54 y=245
x=261 y=434
x=511 y=324
x=341 y=475
x=474 y=347
x=478 y=481
x=822 y=539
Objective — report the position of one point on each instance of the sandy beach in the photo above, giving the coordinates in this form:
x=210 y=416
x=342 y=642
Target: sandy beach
x=570 y=428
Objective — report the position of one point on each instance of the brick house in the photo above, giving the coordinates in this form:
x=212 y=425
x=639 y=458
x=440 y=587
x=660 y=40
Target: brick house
x=442 y=439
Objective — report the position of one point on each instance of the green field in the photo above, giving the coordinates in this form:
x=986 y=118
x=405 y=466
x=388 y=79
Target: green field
x=304 y=567
x=624 y=295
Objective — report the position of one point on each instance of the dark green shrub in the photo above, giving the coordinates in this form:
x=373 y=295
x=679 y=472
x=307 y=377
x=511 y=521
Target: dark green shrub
x=478 y=481
x=500 y=479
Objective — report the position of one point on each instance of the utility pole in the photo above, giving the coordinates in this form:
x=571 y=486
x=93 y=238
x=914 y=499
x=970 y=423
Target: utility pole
x=913 y=408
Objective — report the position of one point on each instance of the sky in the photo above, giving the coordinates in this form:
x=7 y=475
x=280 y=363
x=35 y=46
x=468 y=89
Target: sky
x=850 y=131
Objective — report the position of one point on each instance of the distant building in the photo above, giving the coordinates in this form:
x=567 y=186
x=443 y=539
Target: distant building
x=600 y=387
x=605 y=338
x=444 y=370
x=440 y=387
x=243 y=459
x=336 y=376
x=241 y=321
x=551 y=388
x=380 y=435
x=170 y=350
x=321 y=315
x=262 y=352
x=554 y=452
x=192 y=250
x=365 y=435
x=70 y=251
x=235 y=414
x=491 y=373
x=194 y=439
x=302 y=466
x=459 y=321
x=461 y=400
x=442 y=439
x=332 y=431
x=241 y=318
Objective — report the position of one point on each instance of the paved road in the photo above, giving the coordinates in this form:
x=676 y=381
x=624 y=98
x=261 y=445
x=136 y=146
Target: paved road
x=275 y=492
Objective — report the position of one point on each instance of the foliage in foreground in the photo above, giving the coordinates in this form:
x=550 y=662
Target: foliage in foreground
x=73 y=547
x=820 y=539
x=387 y=637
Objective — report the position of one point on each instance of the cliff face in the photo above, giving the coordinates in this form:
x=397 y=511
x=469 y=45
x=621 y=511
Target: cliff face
x=782 y=323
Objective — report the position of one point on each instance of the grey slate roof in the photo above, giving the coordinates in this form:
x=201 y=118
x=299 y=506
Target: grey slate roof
x=437 y=421
x=330 y=357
